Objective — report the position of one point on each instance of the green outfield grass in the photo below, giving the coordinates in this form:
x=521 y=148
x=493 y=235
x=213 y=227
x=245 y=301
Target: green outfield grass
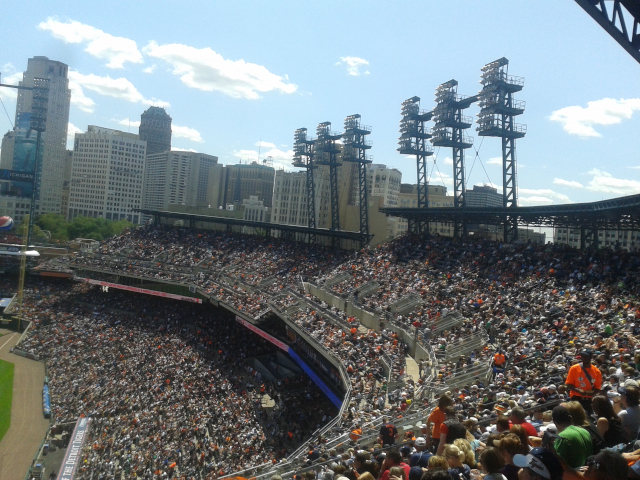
x=6 y=394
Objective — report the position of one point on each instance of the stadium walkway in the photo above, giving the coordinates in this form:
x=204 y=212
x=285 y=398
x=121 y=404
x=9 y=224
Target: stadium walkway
x=412 y=369
x=28 y=425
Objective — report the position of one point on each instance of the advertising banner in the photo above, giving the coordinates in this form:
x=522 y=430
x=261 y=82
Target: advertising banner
x=16 y=176
x=72 y=455
x=327 y=391
x=312 y=375
x=263 y=334
x=140 y=290
x=24 y=157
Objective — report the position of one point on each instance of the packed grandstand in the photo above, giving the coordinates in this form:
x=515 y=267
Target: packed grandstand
x=494 y=329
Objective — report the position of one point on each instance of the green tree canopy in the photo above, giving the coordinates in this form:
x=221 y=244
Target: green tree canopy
x=81 y=227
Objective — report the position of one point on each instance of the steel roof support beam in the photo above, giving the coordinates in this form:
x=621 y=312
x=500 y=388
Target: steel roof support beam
x=614 y=23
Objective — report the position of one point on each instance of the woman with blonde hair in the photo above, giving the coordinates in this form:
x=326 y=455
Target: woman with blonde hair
x=438 y=462
x=366 y=476
x=455 y=458
x=469 y=455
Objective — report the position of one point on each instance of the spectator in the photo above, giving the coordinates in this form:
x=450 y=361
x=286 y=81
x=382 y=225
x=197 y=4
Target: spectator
x=630 y=416
x=584 y=380
x=573 y=444
x=421 y=457
x=438 y=462
x=436 y=418
x=519 y=417
x=579 y=419
x=388 y=434
x=393 y=459
x=455 y=458
x=539 y=464
x=509 y=446
x=608 y=422
x=492 y=463
x=451 y=429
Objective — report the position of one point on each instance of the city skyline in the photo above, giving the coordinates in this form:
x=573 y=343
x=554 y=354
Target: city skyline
x=235 y=93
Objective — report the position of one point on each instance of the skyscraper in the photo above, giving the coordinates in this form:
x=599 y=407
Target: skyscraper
x=107 y=175
x=178 y=177
x=54 y=138
x=244 y=180
x=155 y=128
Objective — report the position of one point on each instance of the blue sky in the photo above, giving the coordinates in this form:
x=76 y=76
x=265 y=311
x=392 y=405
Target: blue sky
x=238 y=77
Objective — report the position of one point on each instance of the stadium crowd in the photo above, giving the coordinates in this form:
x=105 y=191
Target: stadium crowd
x=167 y=388
x=546 y=310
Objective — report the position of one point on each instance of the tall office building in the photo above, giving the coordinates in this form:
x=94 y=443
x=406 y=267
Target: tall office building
x=107 y=175
x=244 y=180
x=54 y=138
x=6 y=154
x=155 y=129
x=382 y=181
x=290 y=198
x=177 y=177
x=483 y=196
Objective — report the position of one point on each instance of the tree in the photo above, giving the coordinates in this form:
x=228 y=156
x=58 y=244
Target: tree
x=96 y=228
x=56 y=224
x=22 y=229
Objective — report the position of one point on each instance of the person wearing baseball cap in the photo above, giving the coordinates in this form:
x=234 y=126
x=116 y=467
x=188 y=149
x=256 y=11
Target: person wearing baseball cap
x=422 y=456
x=584 y=380
x=607 y=466
x=540 y=463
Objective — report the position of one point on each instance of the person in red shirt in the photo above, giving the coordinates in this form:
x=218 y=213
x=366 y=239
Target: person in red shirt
x=393 y=459
x=518 y=417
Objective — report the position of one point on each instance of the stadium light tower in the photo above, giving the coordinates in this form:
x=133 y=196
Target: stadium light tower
x=413 y=141
x=448 y=131
x=327 y=154
x=303 y=153
x=498 y=109
x=355 y=148
x=38 y=122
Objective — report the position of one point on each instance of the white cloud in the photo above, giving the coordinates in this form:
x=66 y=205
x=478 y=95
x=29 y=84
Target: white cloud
x=71 y=134
x=11 y=77
x=354 y=65
x=448 y=161
x=281 y=158
x=440 y=178
x=567 y=183
x=150 y=69
x=127 y=122
x=176 y=131
x=604 y=182
x=577 y=120
x=79 y=99
x=205 y=69
x=547 y=193
x=116 y=50
x=495 y=161
x=186 y=132
x=120 y=88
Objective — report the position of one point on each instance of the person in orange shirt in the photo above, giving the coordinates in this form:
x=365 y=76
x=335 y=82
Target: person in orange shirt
x=584 y=381
x=436 y=418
